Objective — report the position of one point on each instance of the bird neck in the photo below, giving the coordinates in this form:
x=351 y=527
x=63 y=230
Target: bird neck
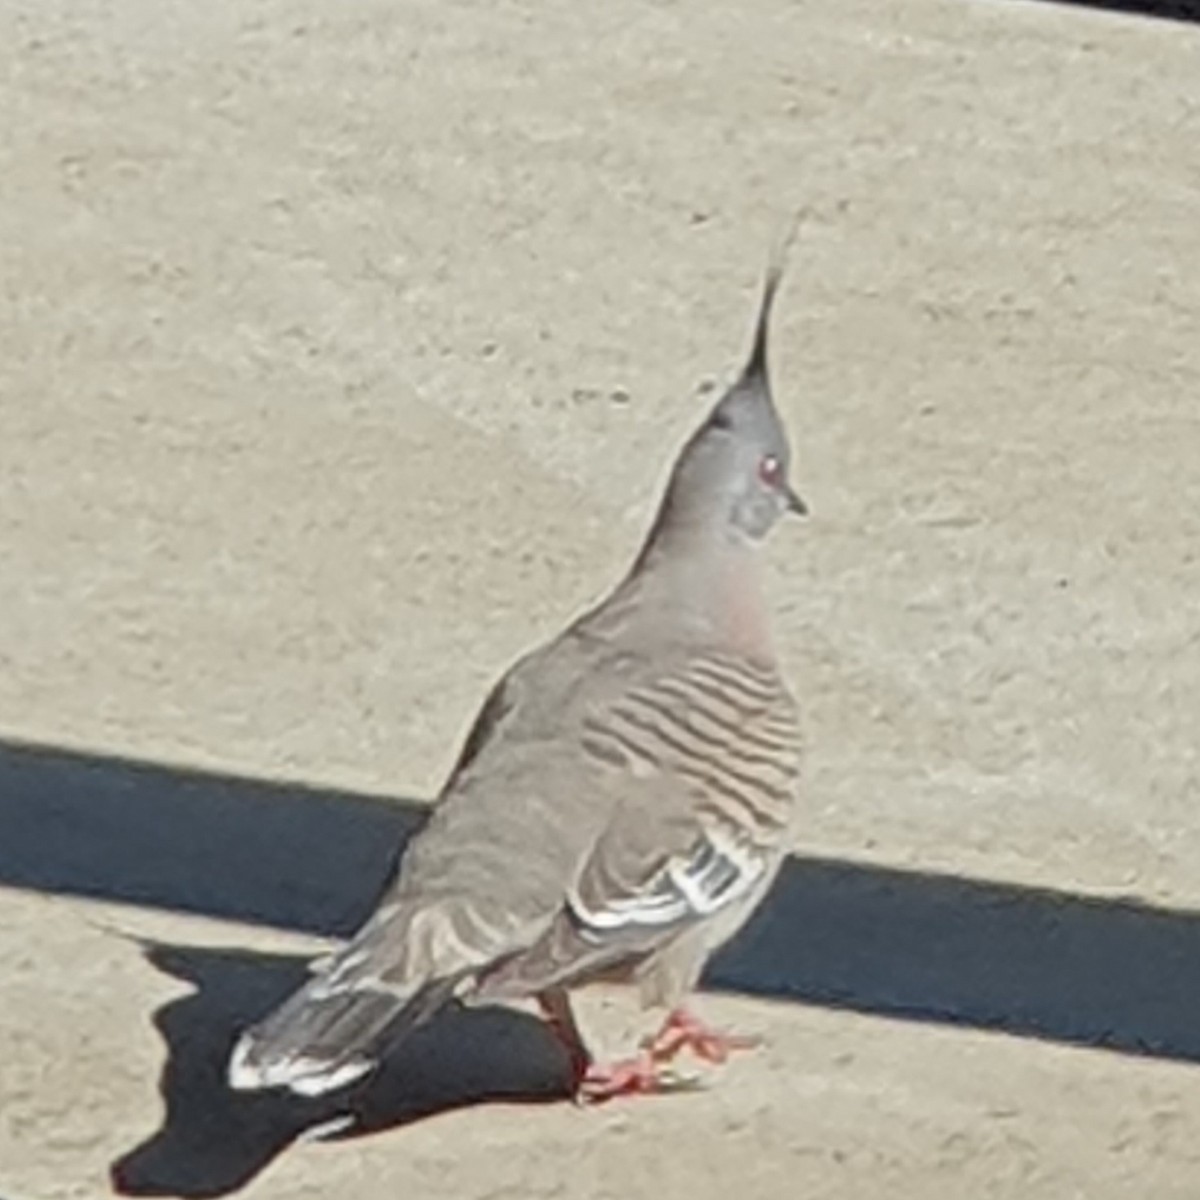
x=710 y=581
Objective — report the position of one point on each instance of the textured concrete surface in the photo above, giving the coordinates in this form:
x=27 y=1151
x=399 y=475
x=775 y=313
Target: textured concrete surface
x=342 y=351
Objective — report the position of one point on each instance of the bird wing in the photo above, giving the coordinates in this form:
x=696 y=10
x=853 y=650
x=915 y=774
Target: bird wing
x=486 y=873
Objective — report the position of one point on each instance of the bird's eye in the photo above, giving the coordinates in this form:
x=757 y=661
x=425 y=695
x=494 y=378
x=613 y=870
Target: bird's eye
x=770 y=470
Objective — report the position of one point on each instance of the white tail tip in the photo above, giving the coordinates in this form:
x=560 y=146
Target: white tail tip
x=304 y=1076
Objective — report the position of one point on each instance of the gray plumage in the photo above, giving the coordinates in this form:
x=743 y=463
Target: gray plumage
x=621 y=803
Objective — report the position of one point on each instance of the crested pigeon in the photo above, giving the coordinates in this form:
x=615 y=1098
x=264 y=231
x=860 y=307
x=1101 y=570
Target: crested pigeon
x=619 y=807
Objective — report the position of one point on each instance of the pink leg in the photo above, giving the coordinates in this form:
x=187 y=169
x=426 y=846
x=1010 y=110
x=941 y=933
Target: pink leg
x=683 y=1031
x=643 y=1074
x=593 y=1082
x=556 y=1008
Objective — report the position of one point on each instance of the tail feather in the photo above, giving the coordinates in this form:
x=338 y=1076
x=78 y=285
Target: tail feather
x=318 y=1039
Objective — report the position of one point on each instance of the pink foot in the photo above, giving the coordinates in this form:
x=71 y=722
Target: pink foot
x=683 y=1031
x=627 y=1077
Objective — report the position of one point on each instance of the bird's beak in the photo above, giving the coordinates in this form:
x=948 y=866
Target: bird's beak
x=795 y=504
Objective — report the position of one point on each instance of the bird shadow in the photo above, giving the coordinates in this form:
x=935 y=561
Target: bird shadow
x=213 y=1140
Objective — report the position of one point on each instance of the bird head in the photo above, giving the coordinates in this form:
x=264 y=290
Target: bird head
x=732 y=474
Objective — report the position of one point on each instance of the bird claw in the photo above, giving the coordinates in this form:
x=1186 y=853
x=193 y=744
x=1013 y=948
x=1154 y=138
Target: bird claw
x=627 y=1077
x=683 y=1031
x=640 y=1076
x=647 y=1073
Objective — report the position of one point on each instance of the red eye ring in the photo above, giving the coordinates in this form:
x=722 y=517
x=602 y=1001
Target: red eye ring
x=770 y=470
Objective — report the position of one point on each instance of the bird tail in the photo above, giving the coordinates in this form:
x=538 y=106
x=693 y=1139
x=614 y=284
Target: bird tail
x=322 y=1038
